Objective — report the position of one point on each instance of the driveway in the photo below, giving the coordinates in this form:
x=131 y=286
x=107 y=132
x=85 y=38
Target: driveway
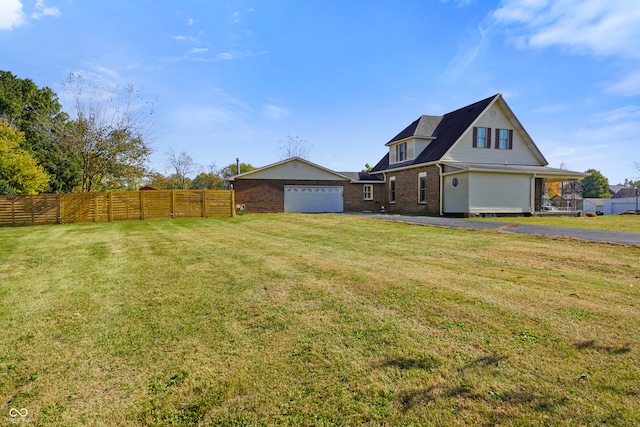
x=619 y=237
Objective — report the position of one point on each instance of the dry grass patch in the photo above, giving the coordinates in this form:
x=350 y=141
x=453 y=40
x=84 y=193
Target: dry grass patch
x=315 y=320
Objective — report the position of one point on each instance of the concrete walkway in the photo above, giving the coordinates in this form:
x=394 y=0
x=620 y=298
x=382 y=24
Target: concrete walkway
x=619 y=237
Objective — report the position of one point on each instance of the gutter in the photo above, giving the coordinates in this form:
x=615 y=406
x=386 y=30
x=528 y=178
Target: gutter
x=441 y=186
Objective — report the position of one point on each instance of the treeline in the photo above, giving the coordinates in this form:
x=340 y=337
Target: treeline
x=102 y=144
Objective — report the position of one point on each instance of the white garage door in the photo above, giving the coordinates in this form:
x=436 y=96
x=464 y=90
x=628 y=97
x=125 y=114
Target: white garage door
x=307 y=199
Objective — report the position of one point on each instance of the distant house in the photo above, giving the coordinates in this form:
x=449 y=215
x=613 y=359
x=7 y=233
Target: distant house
x=476 y=160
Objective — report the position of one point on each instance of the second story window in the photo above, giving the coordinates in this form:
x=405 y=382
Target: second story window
x=505 y=139
x=401 y=152
x=481 y=137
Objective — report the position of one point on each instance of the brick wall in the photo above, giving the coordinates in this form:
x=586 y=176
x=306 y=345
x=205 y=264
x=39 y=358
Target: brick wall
x=407 y=191
x=267 y=195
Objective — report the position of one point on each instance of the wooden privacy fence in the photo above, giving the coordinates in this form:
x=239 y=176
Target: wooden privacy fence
x=115 y=206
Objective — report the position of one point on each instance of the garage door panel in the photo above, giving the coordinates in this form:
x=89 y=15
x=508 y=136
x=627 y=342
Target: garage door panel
x=308 y=199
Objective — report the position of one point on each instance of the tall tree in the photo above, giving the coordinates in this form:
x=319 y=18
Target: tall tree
x=595 y=185
x=232 y=169
x=294 y=147
x=183 y=165
x=210 y=180
x=19 y=172
x=38 y=113
x=108 y=134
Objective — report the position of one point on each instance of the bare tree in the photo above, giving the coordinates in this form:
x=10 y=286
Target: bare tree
x=182 y=164
x=294 y=147
x=109 y=134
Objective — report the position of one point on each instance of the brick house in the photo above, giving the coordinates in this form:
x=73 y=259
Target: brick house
x=476 y=160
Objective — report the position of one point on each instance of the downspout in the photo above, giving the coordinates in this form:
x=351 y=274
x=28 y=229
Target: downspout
x=532 y=195
x=441 y=187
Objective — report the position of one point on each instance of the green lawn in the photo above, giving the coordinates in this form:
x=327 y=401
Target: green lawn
x=608 y=222
x=315 y=320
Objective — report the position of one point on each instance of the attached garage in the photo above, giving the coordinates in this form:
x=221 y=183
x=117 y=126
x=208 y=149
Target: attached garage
x=312 y=199
x=297 y=185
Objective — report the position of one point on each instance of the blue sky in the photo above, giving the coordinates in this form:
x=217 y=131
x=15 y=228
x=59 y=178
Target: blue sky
x=235 y=78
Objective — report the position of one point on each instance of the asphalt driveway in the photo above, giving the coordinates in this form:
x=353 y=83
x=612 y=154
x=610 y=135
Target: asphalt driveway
x=619 y=237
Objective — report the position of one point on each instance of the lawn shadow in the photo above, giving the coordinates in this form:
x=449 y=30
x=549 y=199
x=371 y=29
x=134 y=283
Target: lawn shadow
x=427 y=363
x=591 y=344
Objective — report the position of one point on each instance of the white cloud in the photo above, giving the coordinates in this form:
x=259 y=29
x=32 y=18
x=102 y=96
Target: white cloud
x=228 y=56
x=600 y=27
x=627 y=86
x=606 y=141
x=42 y=10
x=197 y=50
x=274 y=112
x=467 y=54
x=11 y=14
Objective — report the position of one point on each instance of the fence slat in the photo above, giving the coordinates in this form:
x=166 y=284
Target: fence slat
x=114 y=206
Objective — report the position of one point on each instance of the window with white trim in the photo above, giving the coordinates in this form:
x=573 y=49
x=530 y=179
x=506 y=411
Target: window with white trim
x=368 y=192
x=422 y=188
x=401 y=152
x=392 y=189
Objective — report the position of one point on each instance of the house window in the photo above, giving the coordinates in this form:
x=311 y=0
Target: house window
x=368 y=192
x=401 y=152
x=481 y=137
x=392 y=189
x=505 y=139
x=422 y=187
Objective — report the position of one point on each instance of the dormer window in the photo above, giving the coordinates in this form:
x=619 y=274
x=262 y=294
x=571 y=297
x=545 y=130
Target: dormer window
x=401 y=152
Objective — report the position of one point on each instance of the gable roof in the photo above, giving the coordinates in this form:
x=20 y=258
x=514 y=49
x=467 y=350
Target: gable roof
x=296 y=162
x=446 y=132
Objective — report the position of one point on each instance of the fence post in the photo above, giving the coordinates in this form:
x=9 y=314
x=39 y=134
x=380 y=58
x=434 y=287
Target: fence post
x=204 y=203
x=94 y=200
x=109 y=207
x=59 y=196
x=172 y=214
x=141 y=204
x=233 y=203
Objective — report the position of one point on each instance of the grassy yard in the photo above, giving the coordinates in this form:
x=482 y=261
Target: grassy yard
x=315 y=320
x=608 y=222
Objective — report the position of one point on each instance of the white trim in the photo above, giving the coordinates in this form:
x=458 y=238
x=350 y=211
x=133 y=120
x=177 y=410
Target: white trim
x=392 y=179
x=420 y=176
x=364 y=192
x=292 y=159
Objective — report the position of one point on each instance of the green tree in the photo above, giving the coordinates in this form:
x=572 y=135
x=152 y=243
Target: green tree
x=38 y=113
x=19 y=172
x=367 y=168
x=595 y=185
x=232 y=170
x=211 y=180
x=108 y=134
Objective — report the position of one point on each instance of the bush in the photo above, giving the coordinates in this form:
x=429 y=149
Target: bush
x=591 y=214
x=6 y=189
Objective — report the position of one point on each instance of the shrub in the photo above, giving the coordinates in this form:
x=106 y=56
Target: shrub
x=591 y=214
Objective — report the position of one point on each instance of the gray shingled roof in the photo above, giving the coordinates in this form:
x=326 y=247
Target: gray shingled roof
x=446 y=132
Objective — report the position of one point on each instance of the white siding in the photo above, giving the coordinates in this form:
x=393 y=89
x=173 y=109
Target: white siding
x=456 y=199
x=411 y=149
x=499 y=193
x=294 y=170
x=521 y=154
